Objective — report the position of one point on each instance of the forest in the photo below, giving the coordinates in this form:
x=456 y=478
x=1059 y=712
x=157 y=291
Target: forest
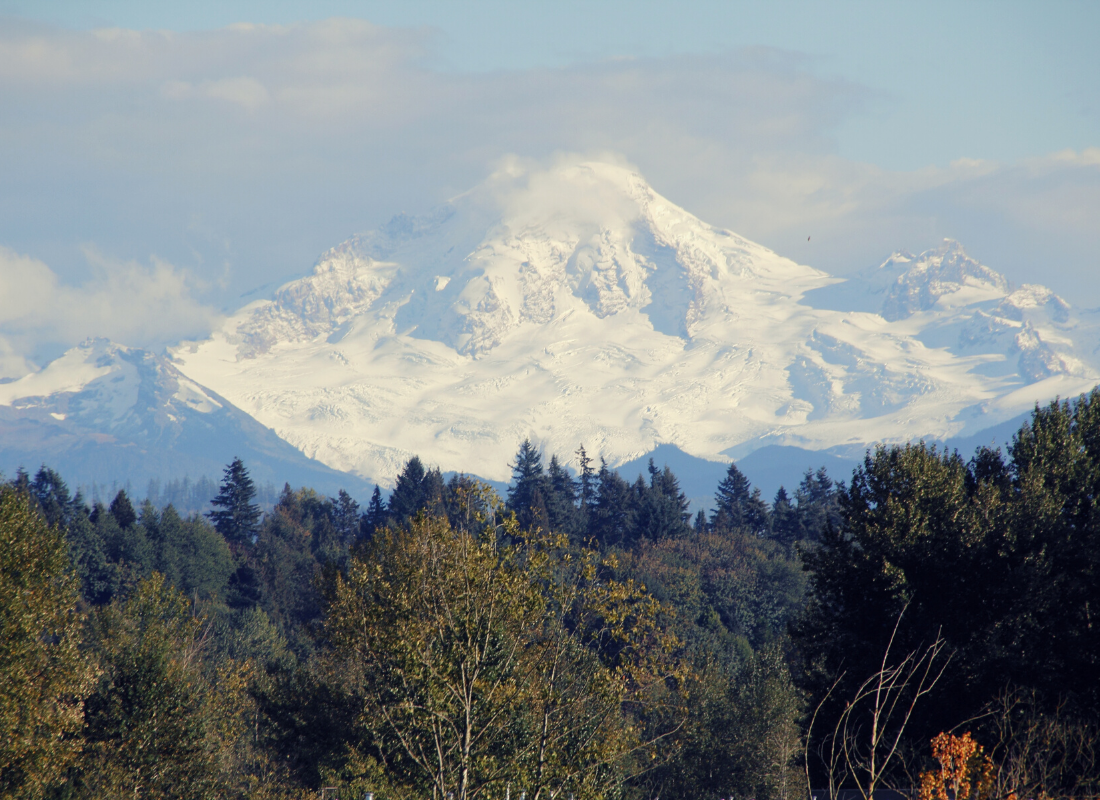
x=928 y=627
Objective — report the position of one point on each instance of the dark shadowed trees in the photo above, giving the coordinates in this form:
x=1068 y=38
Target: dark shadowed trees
x=662 y=508
x=738 y=506
x=375 y=515
x=416 y=489
x=527 y=494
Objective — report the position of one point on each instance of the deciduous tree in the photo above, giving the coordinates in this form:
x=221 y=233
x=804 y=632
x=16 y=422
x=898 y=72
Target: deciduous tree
x=44 y=678
x=469 y=673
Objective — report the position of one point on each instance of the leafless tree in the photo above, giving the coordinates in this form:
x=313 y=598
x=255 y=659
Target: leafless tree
x=868 y=735
x=1042 y=754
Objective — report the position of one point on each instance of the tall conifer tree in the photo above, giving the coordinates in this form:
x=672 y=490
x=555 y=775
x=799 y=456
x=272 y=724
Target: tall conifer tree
x=235 y=516
x=375 y=515
x=529 y=489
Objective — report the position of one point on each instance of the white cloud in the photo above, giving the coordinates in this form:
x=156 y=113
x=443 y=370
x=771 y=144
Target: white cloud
x=124 y=301
x=248 y=93
x=259 y=146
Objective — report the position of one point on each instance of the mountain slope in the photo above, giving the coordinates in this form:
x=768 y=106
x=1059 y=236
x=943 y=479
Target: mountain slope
x=104 y=412
x=578 y=305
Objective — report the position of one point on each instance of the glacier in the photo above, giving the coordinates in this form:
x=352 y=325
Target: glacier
x=576 y=305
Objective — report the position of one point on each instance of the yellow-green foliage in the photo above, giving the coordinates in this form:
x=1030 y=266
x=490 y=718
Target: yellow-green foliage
x=43 y=676
x=481 y=663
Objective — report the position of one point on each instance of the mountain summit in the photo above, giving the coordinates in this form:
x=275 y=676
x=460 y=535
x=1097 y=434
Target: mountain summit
x=578 y=305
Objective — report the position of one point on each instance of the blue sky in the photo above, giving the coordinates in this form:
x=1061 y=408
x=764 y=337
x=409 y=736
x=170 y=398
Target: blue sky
x=222 y=157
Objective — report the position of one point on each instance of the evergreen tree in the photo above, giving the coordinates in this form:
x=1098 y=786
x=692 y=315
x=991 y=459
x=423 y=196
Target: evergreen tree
x=561 y=502
x=236 y=517
x=375 y=515
x=587 y=482
x=756 y=514
x=529 y=489
x=786 y=527
x=287 y=566
x=733 y=494
x=22 y=482
x=166 y=541
x=88 y=551
x=737 y=505
x=612 y=520
x=123 y=510
x=127 y=549
x=53 y=497
x=434 y=487
x=411 y=492
x=346 y=518
x=663 y=511
x=817 y=503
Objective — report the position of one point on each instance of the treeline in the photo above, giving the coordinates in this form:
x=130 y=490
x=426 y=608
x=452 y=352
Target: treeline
x=602 y=508
x=583 y=636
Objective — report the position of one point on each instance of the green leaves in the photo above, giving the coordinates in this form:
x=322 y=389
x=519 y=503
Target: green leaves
x=44 y=677
x=1004 y=559
x=480 y=663
x=151 y=722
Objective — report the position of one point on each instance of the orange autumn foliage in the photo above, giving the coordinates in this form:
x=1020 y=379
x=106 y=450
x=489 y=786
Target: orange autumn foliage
x=965 y=772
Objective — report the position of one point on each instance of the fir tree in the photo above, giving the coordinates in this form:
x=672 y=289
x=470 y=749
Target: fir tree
x=238 y=519
x=818 y=503
x=731 y=499
x=414 y=491
x=561 y=501
x=375 y=515
x=123 y=510
x=587 y=483
x=663 y=512
x=612 y=520
x=346 y=518
x=53 y=497
x=786 y=527
x=434 y=487
x=737 y=505
x=527 y=494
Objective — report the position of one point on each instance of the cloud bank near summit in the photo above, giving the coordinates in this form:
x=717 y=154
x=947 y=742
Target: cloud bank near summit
x=242 y=153
x=40 y=314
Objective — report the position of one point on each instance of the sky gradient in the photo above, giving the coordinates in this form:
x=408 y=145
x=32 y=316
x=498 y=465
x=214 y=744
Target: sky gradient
x=202 y=150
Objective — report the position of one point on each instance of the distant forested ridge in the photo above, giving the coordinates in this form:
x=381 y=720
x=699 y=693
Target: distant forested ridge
x=928 y=626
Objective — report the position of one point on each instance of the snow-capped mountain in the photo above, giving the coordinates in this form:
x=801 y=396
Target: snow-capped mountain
x=948 y=300
x=577 y=305
x=105 y=412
